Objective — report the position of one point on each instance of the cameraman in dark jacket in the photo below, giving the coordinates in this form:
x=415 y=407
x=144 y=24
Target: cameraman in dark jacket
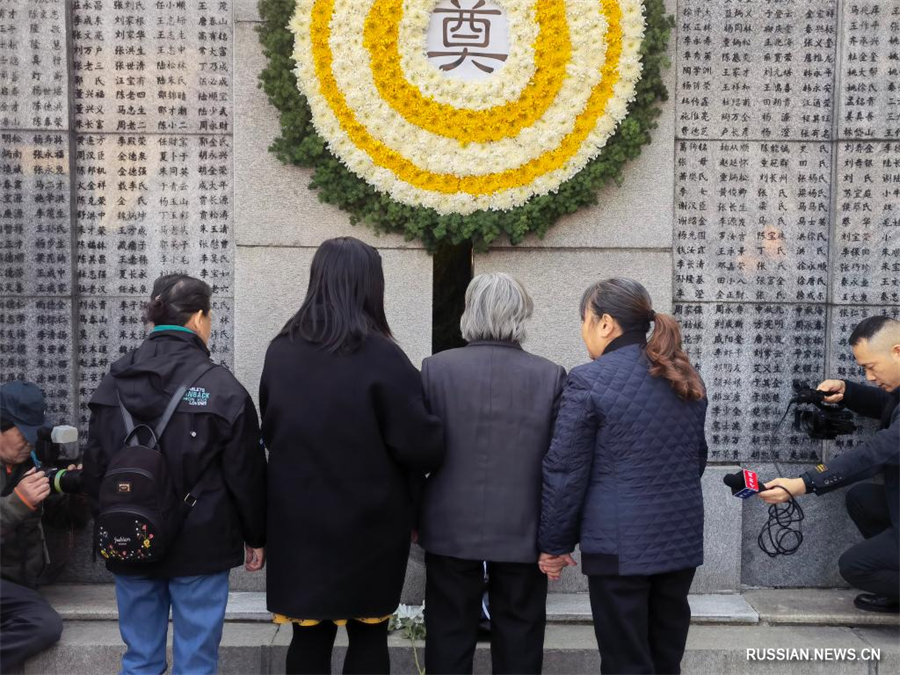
x=28 y=624
x=213 y=441
x=874 y=564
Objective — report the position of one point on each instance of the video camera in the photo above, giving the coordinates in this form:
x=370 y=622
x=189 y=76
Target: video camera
x=820 y=420
x=58 y=446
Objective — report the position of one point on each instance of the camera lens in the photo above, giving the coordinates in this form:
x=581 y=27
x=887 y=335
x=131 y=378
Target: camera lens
x=63 y=481
x=814 y=423
x=71 y=482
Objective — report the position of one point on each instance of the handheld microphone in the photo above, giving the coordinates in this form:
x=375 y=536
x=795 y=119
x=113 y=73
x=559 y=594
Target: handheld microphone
x=743 y=484
x=781 y=535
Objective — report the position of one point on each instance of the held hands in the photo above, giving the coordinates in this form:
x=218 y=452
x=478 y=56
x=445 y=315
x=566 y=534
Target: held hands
x=552 y=565
x=256 y=559
x=795 y=486
x=834 y=387
x=34 y=487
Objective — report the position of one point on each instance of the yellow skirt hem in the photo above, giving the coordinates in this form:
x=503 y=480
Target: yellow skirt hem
x=282 y=619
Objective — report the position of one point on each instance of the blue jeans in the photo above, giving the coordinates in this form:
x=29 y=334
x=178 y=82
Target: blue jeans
x=198 y=614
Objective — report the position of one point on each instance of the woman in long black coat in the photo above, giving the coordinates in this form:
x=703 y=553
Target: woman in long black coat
x=348 y=434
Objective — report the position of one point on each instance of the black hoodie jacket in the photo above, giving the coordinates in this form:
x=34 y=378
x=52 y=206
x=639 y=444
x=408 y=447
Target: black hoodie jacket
x=214 y=430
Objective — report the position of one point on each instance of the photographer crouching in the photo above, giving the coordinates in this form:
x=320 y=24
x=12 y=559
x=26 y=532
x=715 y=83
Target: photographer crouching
x=874 y=564
x=29 y=492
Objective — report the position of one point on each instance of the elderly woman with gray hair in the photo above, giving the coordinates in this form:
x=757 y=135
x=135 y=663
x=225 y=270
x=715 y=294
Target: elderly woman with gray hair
x=498 y=404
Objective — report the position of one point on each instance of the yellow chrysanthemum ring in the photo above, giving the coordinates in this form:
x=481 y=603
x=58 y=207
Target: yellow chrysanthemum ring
x=541 y=104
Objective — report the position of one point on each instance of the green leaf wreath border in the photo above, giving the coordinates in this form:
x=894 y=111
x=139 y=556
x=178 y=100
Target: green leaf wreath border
x=300 y=145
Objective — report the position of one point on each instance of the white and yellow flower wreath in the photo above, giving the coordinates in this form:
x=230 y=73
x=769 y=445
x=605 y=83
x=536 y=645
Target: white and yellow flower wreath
x=459 y=147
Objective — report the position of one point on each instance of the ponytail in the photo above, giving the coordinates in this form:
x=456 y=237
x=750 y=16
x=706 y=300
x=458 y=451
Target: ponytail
x=629 y=303
x=669 y=361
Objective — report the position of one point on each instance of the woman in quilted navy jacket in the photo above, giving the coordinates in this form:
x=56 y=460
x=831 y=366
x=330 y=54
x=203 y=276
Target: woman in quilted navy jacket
x=622 y=478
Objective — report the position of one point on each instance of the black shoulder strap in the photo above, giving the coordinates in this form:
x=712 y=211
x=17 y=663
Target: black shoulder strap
x=126 y=416
x=157 y=432
x=190 y=499
x=131 y=429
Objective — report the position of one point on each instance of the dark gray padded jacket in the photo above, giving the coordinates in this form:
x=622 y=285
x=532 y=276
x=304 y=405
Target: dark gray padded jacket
x=622 y=475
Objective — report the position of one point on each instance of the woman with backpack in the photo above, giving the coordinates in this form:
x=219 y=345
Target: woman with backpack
x=176 y=473
x=349 y=437
x=622 y=479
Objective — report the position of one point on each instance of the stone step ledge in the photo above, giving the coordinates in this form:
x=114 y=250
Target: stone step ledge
x=806 y=606
x=94 y=647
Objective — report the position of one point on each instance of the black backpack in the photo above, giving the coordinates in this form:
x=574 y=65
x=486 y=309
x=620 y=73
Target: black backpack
x=141 y=512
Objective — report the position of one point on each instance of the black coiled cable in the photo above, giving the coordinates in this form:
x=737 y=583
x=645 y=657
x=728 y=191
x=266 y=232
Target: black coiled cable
x=779 y=536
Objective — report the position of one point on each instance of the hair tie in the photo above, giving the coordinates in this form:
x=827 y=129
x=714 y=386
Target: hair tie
x=652 y=315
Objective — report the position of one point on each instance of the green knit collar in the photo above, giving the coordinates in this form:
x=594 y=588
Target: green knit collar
x=181 y=329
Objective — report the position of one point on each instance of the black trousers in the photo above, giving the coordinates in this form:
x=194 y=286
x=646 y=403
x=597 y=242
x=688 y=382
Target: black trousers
x=518 y=604
x=311 y=647
x=28 y=625
x=641 y=622
x=874 y=564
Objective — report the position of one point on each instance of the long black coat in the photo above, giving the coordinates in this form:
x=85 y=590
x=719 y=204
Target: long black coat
x=213 y=434
x=347 y=436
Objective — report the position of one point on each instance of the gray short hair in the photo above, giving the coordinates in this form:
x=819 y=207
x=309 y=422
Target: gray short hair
x=497 y=306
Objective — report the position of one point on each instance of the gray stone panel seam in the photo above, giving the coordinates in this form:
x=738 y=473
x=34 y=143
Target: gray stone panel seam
x=154 y=133
x=833 y=188
x=674 y=103
x=268 y=652
x=873 y=664
x=74 y=365
x=791 y=303
x=579 y=249
x=59 y=296
x=33 y=130
x=315 y=248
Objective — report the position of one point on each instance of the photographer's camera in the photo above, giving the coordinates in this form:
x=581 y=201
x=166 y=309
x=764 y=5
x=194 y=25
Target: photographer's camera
x=55 y=447
x=818 y=419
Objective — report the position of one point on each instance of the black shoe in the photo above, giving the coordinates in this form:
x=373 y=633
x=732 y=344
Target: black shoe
x=877 y=603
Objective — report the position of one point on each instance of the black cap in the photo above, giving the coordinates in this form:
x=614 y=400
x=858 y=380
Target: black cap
x=22 y=403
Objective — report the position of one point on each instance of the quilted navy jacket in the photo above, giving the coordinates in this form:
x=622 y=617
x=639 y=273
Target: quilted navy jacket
x=622 y=475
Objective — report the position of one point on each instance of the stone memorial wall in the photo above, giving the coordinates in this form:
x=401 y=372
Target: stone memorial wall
x=765 y=215
x=786 y=229
x=116 y=167
x=36 y=327
x=787 y=202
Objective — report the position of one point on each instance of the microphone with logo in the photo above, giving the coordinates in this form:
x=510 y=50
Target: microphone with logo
x=743 y=484
x=779 y=536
